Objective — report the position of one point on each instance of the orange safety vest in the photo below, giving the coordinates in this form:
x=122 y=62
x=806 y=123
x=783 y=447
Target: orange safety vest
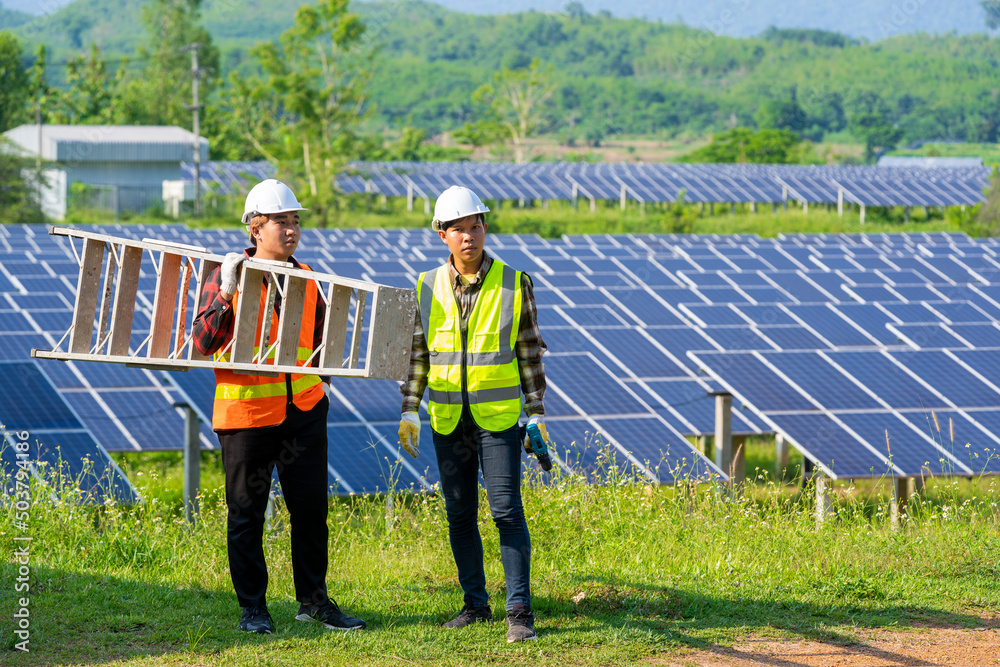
x=256 y=401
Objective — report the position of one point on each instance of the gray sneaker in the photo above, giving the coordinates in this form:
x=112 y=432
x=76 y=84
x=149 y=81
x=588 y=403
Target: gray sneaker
x=520 y=624
x=329 y=614
x=256 y=619
x=470 y=615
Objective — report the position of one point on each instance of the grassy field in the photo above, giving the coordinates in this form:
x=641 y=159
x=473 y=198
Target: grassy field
x=622 y=573
x=558 y=218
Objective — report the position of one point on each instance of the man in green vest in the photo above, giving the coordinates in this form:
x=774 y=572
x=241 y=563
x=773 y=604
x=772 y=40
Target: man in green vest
x=477 y=349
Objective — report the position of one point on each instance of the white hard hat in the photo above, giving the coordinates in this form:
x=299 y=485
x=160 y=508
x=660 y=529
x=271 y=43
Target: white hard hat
x=456 y=202
x=269 y=197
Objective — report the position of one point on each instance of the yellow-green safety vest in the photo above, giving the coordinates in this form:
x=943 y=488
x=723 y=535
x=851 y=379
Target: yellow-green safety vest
x=482 y=365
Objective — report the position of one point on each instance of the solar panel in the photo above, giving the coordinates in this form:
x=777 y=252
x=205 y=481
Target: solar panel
x=35 y=404
x=640 y=355
x=886 y=380
x=68 y=462
x=638 y=296
x=821 y=381
x=828 y=444
x=576 y=375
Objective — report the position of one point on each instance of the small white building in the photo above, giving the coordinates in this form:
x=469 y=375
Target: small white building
x=123 y=166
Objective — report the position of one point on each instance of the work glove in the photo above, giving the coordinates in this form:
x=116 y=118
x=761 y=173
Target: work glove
x=409 y=432
x=537 y=421
x=230 y=270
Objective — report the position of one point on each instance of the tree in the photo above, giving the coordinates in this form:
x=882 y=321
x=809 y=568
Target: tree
x=743 y=145
x=43 y=98
x=988 y=218
x=161 y=93
x=313 y=88
x=781 y=114
x=89 y=100
x=13 y=82
x=244 y=124
x=576 y=11
x=992 y=9
x=869 y=119
x=17 y=195
x=512 y=107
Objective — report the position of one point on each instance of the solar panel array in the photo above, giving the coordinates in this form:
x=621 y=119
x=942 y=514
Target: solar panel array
x=632 y=324
x=648 y=183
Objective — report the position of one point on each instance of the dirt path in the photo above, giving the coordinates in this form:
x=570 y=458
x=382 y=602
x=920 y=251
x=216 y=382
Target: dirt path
x=924 y=647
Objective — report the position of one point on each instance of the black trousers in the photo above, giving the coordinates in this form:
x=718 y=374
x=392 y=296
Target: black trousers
x=297 y=448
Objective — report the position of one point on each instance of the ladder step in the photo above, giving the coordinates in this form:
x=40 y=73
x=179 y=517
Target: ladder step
x=126 y=288
x=161 y=327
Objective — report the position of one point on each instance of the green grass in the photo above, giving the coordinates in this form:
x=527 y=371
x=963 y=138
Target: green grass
x=558 y=218
x=621 y=573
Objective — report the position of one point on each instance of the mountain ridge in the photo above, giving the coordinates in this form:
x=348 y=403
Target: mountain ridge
x=866 y=19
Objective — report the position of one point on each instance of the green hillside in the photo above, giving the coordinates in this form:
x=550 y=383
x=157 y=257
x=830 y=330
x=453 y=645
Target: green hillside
x=12 y=19
x=615 y=76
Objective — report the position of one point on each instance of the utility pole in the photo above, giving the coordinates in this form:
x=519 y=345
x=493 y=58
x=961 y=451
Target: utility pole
x=38 y=159
x=196 y=107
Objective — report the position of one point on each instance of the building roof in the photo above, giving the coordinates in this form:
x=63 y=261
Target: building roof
x=108 y=143
x=928 y=162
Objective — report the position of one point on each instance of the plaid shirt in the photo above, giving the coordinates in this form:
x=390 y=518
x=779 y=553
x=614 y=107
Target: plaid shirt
x=214 y=321
x=529 y=347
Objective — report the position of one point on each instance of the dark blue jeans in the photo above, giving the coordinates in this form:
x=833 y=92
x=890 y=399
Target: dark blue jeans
x=460 y=455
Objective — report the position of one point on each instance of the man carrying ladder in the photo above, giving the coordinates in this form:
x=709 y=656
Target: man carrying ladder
x=266 y=423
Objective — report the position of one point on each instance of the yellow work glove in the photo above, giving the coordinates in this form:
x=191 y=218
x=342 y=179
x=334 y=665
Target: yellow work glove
x=409 y=432
x=537 y=421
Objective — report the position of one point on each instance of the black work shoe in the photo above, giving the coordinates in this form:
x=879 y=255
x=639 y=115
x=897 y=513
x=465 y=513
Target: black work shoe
x=329 y=614
x=520 y=624
x=256 y=619
x=470 y=615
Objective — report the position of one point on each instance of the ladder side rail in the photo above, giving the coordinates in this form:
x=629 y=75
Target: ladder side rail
x=185 y=364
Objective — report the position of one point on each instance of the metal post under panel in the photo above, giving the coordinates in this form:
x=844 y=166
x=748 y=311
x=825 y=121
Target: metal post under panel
x=192 y=461
x=781 y=454
x=902 y=487
x=738 y=468
x=824 y=498
x=723 y=430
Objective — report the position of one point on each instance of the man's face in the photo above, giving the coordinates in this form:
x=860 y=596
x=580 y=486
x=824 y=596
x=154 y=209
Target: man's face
x=279 y=236
x=465 y=238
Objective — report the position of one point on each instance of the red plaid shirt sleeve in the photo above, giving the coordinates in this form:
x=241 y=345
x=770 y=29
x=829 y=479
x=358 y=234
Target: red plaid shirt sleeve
x=214 y=320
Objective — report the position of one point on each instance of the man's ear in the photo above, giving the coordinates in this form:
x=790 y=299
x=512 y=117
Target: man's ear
x=442 y=235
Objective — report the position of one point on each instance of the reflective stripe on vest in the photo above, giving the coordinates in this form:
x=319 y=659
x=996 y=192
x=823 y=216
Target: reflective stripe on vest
x=492 y=379
x=255 y=401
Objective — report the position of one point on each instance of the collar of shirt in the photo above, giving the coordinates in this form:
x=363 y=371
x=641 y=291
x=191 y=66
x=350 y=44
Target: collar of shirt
x=480 y=274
